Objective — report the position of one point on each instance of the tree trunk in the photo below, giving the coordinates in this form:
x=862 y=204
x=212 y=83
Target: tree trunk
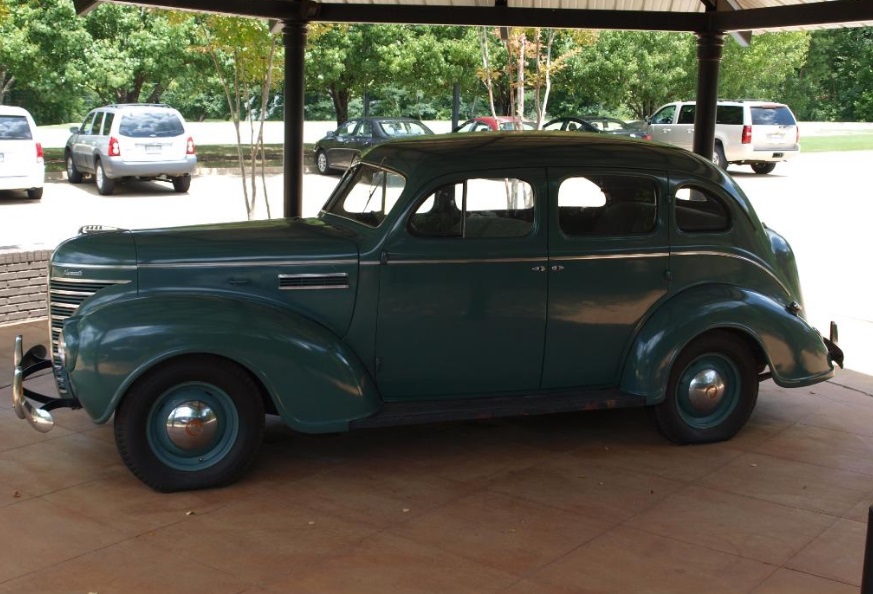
x=340 y=98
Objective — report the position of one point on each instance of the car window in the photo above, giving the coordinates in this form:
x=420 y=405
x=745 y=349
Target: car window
x=699 y=211
x=85 y=128
x=365 y=130
x=96 y=123
x=148 y=124
x=731 y=115
x=772 y=116
x=607 y=205
x=466 y=127
x=14 y=128
x=517 y=126
x=686 y=114
x=107 y=122
x=397 y=129
x=554 y=125
x=367 y=196
x=665 y=115
x=347 y=129
x=476 y=208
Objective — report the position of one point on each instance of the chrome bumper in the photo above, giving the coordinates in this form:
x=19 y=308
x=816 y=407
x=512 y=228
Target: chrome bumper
x=26 y=364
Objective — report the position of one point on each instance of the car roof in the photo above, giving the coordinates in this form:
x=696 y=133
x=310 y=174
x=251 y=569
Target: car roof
x=13 y=110
x=443 y=154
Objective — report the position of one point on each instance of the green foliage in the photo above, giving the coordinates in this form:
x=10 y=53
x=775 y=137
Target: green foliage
x=761 y=70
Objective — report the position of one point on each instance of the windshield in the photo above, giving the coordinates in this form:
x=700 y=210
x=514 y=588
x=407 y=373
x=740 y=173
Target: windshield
x=366 y=195
x=151 y=124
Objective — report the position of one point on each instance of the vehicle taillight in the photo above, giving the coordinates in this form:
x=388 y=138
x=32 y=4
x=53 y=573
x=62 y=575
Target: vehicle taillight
x=39 y=153
x=647 y=136
x=189 y=149
x=747 y=134
x=114 y=147
x=796 y=134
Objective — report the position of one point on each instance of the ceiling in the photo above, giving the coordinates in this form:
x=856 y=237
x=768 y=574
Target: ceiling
x=652 y=15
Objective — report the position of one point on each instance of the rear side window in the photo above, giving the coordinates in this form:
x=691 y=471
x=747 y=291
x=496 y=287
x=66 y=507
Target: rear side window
x=95 y=123
x=151 y=124
x=15 y=128
x=607 y=205
x=107 y=122
x=686 y=115
x=729 y=114
x=772 y=116
x=700 y=211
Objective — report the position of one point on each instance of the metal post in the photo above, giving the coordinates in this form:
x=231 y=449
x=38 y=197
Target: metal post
x=867 y=572
x=456 y=105
x=294 y=39
x=709 y=51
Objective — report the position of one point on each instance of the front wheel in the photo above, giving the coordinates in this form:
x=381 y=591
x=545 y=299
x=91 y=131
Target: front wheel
x=763 y=168
x=712 y=390
x=321 y=162
x=194 y=423
x=74 y=176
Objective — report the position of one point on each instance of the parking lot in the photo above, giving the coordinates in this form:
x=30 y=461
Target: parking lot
x=588 y=502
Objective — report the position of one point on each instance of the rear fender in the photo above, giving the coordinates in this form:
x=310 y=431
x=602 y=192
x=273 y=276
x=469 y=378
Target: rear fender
x=794 y=350
x=315 y=380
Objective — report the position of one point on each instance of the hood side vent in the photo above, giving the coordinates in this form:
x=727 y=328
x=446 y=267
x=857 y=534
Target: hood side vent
x=291 y=282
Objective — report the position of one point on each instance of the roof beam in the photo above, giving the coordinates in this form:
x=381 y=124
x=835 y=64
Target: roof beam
x=797 y=15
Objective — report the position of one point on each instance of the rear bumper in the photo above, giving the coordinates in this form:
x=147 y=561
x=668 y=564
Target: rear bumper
x=116 y=168
x=25 y=365
x=35 y=179
x=751 y=155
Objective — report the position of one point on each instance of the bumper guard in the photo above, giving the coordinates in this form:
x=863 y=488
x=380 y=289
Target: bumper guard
x=25 y=365
x=835 y=353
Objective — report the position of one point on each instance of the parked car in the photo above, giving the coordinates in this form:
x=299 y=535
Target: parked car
x=756 y=133
x=341 y=147
x=447 y=277
x=21 y=157
x=490 y=124
x=124 y=141
x=600 y=125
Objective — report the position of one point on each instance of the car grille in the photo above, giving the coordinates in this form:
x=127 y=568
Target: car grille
x=65 y=297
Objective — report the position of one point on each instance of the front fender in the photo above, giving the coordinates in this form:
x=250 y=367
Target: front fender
x=794 y=350
x=315 y=380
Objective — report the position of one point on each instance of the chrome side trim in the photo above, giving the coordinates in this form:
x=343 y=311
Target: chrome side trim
x=84 y=281
x=470 y=261
x=249 y=264
x=94 y=266
x=610 y=257
x=315 y=281
x=736 y=257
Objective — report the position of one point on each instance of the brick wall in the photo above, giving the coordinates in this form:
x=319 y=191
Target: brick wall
x=23 y=286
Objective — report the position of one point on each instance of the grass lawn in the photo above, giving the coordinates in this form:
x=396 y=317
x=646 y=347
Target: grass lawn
x=843 y=142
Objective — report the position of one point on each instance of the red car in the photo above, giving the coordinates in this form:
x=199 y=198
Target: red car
x=489 y=124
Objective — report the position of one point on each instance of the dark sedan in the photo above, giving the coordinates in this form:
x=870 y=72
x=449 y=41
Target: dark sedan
x=599 y=124
x=340 y=147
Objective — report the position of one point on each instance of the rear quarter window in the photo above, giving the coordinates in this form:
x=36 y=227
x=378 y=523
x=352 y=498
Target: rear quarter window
x=731 y=115
x=772 y=116
x=15 y=128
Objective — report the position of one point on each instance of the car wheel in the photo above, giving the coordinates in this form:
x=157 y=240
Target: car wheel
x=34 y=193
x=321 y=163
x=763 y=168
x=104 y=185
x=718 y=157
x=712 y=390
x=193 y=423
x=74 y=176
x=182 y=183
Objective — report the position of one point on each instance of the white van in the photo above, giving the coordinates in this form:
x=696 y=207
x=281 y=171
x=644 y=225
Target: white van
x=756 y=133
x=22 y=166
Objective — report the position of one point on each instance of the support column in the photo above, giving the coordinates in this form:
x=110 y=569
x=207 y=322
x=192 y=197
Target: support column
x=294 y=39
x=709 y=51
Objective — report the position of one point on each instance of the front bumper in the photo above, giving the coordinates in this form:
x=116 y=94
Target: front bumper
x=25 y=365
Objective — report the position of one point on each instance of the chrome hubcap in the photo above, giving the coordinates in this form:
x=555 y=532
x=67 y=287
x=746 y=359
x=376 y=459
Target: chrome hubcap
x=192 y=425
x=706 y=390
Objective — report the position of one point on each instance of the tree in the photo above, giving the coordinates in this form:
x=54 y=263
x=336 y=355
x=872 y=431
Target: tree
x=761 y=70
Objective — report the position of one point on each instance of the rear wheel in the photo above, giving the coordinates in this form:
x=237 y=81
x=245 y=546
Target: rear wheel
x=182 y=183
x=74 y=176
x=104 y=185
x=34 y=193
x=763 y=168
x=194 y=423
x=712 y=390
x=718 y=157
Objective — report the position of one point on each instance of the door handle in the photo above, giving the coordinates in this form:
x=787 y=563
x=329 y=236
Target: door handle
x=539 y=268
x=557 y=268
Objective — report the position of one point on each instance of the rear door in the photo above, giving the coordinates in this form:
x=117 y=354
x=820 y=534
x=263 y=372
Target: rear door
x=17 y=146
x=773 y=128
x=86 y=140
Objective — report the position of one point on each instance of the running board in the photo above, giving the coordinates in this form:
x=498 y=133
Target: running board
x=435 y=411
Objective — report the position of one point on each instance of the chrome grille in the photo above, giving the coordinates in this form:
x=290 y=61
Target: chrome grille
x=65 y=297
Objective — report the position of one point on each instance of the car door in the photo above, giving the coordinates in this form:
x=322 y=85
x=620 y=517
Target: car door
x=608 y=266
x=662 y=124
x=85 y=141
x=340 y=149
x=462 y=304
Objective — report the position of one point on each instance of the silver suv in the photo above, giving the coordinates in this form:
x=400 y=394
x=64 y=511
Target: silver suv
x=756 y=133
x=131 y=141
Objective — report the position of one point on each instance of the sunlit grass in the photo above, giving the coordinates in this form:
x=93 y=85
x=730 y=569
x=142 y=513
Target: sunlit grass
x=843 y=142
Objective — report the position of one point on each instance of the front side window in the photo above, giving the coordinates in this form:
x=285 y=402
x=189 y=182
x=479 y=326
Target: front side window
x=347 y=128
x=699 y=211
x=665 y=116
x=604 y=205
x=367 y=196
x=476 y=208
x=85 y=128
x=14 y=128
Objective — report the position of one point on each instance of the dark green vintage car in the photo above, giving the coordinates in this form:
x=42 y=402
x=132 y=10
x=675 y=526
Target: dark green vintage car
x=448 y=277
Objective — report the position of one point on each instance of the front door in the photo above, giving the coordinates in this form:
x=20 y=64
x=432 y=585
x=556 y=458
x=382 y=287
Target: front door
x=608 y=266
x=462 y=305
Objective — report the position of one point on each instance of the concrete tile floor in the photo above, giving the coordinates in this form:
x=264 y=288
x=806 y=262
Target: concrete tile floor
x=574 y=503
